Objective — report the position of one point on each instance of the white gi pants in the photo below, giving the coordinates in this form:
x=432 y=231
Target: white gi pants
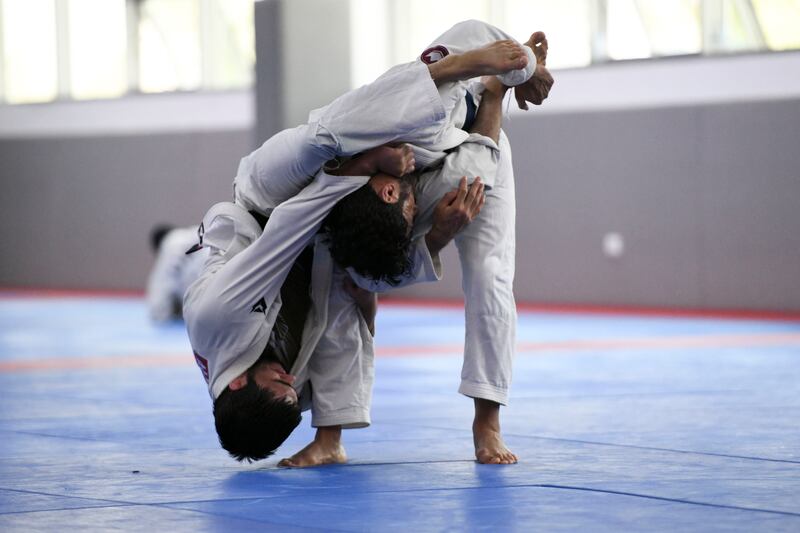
x=486 y=249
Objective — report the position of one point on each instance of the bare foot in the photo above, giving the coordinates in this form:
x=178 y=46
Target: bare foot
x=325 y=449
x=498 y=57
x=489 y=445
x=538 y=43
x=490 y=448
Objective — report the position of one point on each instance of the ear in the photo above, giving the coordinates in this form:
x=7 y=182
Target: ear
x=238 y=382
x=389 y=192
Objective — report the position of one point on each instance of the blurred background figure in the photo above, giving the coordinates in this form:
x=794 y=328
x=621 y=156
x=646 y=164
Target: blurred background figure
x=173 y=271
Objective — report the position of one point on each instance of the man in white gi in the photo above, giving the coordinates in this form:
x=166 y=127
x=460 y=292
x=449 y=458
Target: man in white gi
x=231 y=311
x=172 y=272
x=486 y=246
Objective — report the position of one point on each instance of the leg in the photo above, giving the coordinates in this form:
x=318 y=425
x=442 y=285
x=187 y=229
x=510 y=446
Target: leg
x=340 y=370
x=325 y=449
x=403 y=103
x=486 y=249
x=498 y=57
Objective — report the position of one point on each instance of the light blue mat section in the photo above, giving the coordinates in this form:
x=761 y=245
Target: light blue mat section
x=620 y=437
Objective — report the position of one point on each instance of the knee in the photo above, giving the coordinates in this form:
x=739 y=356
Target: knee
x=489 y=288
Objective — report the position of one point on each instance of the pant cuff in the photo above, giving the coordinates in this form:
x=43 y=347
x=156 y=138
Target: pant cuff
x=353 y=418
x=484 y=391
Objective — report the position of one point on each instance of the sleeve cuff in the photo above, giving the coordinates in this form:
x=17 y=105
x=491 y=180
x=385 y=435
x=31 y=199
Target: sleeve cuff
x=520 y=76
x=431 y=264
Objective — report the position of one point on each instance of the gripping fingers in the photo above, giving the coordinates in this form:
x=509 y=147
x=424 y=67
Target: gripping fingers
x=408 y=159
x=462 y=190
x=475 y=190
x=478 y=198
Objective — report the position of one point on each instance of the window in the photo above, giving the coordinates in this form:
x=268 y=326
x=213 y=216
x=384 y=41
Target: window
x=567 y=24
x=653 y=28
x=580 y=32
x=169 y=45
x=88 y=49
x=780 y=20
x=97 y=48
x=30 y=72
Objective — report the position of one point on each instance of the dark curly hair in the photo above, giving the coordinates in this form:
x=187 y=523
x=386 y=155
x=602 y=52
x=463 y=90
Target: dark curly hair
x=157 y=235
x=370 y=235
x=251 y=422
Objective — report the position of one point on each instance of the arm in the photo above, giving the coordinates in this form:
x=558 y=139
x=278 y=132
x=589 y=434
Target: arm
x=489 y=118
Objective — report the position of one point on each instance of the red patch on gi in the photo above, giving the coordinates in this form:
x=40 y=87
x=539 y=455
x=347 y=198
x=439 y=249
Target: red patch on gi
x=202 y=362
x=434 y=54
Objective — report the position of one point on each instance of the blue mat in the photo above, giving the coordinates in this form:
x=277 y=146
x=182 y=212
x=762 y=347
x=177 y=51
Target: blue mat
x=620 y=422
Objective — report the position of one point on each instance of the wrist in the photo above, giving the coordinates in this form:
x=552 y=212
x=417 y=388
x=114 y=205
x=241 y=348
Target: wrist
x=435 y=240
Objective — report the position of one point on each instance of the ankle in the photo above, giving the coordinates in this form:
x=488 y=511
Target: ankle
x=329 y=435
x=487 y=415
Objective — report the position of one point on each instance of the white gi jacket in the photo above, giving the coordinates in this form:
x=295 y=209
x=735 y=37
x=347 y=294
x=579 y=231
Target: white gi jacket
x=230 y=310
x=337 y=352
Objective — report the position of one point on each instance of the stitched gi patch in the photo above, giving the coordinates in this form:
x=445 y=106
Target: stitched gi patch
x=434 y=54
x=259 y=307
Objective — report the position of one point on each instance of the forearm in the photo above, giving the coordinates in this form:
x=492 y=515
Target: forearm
x=436 y=240
x=489 y=119
x=358 y=166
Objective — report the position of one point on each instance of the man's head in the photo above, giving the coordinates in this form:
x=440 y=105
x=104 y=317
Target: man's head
x=257 y=411
x=157 y=235
x=370 y=229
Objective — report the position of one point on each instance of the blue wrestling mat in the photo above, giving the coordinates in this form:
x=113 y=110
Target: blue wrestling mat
x=621 y=422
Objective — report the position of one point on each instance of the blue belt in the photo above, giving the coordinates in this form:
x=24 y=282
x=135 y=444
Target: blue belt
x=472 y=110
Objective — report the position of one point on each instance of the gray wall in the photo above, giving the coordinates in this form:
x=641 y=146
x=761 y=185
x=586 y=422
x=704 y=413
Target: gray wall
x=707 y=199
x=76 y=211
x=706 y=196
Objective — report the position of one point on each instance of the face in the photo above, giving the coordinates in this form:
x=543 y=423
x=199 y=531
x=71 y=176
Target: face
x=272 y=377
x=410 y=208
